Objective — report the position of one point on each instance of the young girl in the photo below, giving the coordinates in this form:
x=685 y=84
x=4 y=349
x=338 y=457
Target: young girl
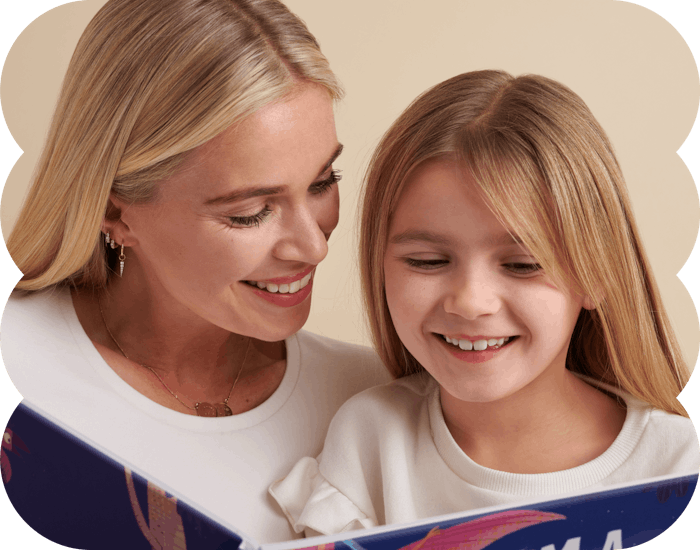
x=509 y=294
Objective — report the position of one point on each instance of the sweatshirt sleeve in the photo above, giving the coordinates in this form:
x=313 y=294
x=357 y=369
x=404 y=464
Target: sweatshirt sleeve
x=315 y=507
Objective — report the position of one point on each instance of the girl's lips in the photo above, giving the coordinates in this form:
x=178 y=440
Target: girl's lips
x=474 y=356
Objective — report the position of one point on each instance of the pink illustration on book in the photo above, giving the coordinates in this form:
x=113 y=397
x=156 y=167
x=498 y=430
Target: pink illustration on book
x=10 y=442
x=479 y=533
x=164 y=529
x=471 y=535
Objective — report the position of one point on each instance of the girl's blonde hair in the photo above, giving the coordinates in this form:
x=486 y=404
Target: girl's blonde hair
x=149 y=81
x=551 y=177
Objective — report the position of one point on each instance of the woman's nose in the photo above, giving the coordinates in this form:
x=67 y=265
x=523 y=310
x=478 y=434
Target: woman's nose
x=472 y=295
x=305 y=239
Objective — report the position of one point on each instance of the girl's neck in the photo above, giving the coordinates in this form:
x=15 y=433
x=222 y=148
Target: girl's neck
x=555 y=423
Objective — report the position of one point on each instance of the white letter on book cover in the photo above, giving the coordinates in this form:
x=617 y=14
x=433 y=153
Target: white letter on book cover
x=571 y=544
x=614 y=540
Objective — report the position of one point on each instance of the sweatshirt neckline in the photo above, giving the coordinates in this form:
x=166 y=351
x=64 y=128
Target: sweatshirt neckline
x=552 y=483
x=136 y=399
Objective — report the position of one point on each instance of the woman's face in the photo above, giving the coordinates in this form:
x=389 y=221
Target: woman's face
x=236 y=232
x=453 y=271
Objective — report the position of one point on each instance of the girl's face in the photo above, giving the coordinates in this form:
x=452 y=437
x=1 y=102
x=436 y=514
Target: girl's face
x=235 y=234
x=452 y=271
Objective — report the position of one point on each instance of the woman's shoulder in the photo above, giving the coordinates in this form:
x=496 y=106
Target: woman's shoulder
x=352 y=362
x=34 y=306
x=329 y=347
x=32 y=315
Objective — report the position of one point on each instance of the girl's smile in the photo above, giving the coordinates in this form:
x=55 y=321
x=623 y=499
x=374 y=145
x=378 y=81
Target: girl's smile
x=476 y=349
x=467 y=298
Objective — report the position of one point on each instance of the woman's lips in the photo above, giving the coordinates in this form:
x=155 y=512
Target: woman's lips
x=284 y=294
x=289 y=279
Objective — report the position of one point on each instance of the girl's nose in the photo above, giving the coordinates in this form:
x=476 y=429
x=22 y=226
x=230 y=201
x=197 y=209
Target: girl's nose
x=472 y=295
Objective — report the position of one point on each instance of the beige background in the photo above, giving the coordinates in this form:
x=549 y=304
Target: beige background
x=632 y=68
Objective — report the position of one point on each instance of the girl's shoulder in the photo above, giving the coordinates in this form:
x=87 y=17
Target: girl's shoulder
x=400 y=406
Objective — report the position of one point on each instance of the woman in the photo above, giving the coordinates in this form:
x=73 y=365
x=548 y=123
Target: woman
x=169 y=242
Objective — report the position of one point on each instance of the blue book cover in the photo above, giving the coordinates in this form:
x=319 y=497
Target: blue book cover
x=78 y=496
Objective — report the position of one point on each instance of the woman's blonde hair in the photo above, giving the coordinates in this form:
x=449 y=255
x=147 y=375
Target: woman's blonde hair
x=149 y=81
x=551 y=177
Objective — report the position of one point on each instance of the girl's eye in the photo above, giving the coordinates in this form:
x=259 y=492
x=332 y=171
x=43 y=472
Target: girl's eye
x=522 y=268
x=250 y=221
x=424 y=264
x=324 y=186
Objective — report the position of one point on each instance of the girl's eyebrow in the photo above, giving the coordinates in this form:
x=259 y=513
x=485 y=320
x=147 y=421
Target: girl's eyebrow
x=253 y=191
x=420 y=235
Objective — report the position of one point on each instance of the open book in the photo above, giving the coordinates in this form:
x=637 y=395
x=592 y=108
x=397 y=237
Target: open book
x=91 y=500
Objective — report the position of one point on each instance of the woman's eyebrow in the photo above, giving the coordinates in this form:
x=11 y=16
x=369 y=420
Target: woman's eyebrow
x=252 y=191
x=332 y=158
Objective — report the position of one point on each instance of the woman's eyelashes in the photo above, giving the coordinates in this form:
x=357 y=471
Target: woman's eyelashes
x=255 y=220
x=250 y=221
x=324 y=186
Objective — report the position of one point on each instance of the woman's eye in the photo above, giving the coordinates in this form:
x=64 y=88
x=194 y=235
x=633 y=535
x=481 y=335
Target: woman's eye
x=522 y=268
x=324 y=186
x=251 y=221
x=424 y=264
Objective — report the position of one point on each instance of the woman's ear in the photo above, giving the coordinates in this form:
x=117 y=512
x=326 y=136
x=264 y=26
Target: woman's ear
x=113 y=223
x=588 y=303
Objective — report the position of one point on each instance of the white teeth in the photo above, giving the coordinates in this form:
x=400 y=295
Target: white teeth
x=290 y=288
x=465 y=345
x=478 y=345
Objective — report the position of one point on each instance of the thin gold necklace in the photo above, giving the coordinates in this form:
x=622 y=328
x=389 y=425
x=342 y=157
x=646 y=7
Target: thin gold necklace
x=202 y=408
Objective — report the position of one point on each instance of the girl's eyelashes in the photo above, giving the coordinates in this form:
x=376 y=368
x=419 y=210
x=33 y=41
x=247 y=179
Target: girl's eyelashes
x=324 y=186
x=519 y=268
x=523 y=268
x=250 y=221
x=424 y=264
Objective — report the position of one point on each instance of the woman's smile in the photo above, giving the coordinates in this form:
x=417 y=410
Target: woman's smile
x=284 y=291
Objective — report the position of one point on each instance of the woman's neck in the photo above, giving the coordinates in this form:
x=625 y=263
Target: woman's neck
x=137 y=329
x=554 y=423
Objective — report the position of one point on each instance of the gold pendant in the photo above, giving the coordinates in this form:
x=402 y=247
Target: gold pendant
x=211 y=411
